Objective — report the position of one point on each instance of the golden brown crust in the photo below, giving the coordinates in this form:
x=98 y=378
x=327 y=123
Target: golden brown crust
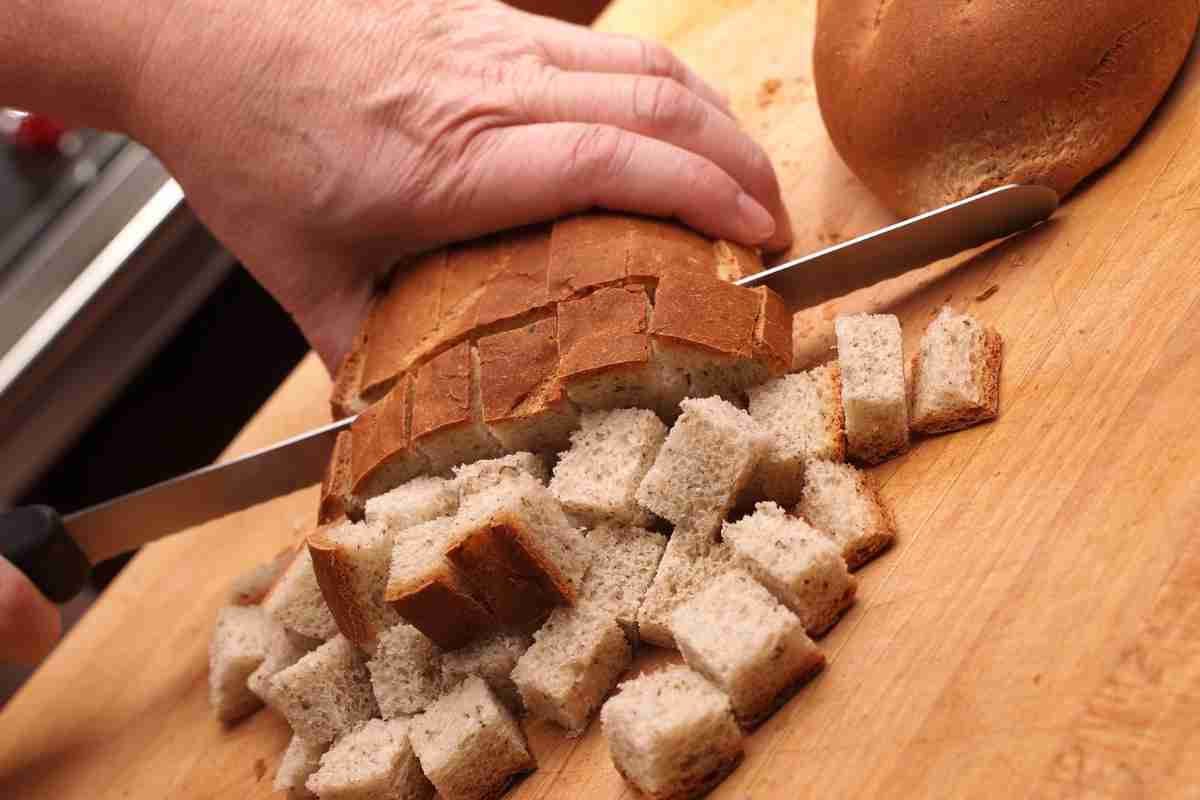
x=706 y=312
x=442 y=392
x=882 y=533
x=381 y=452
x=928 y=106
x=335 y=486
x=749 y=723
x=470 y=269
x=521 y=287
x=837 y=413
x=443 y=609
x=696 y=788
x=661 y=248
x=336 y=579
x=346 y=399
x=735 y=261
x=604 y=329
x=773 y=332
x=588 y=251
x=405 y=314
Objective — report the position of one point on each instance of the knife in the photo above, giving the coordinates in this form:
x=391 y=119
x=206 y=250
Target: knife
x=57 y=552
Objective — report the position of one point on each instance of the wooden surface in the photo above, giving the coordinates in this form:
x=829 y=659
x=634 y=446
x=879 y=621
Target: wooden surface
x=1036 y=631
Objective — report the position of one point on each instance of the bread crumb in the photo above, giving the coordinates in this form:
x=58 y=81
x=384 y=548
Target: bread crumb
x=766 y=92
x=986 y=293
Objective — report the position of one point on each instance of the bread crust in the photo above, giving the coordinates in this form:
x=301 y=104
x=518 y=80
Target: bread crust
x=881 y=535
x=928 y=105
x=706 y=312
x=381 y=445
x=660 y=248
x=335 y=485
x=695 y=788
x=986 y=364
x=773 y=332
x=521 y=287
x=403 y=316
x=441 y=608
x=346 y=400
x=335 y=577
x=588 y=251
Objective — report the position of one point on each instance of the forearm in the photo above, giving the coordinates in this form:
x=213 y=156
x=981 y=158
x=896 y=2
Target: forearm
x=76 y=60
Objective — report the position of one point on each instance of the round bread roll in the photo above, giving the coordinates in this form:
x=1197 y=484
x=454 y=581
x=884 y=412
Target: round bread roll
x=932 y=102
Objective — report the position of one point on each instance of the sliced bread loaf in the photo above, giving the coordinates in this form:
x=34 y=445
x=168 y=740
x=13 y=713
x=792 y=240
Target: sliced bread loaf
x=491 y=658
x=406 y=671
x=474 y=478
x=375 y=761
x=296 y=602
x=622 y=571
x=874 y=397
x=351 y=562
x=419 y=500
x=237 y=648
x=300 y=760
x=326 y=693
x=840 y=501
x=956 y=374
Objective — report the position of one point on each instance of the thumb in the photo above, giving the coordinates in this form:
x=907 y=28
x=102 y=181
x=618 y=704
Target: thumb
x=30 y=624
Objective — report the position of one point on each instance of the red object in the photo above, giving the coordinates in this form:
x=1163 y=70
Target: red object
x=36 y=132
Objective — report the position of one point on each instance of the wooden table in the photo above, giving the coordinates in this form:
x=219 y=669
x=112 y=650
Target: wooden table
x=1036 y=632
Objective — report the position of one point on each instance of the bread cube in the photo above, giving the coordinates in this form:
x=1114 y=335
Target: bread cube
x=405 y=671
x=742 y=639
x=474 y=478
x=296 y=602
x=800 y=566
x=284 y=648
x=447 y=415
x=692 y=558
x=597 y=478
x=429 y=592
x=518 y=550
x=491 y=658
x=707 y=458
x=238 y=647
x=351 y=562
x=468 y=743
x=672 y=734
x=419 y=500
x=840 y=502
x=620 y=577
x=575 y=660
x=956 y=374
x=382 y=453
x=802 y=417
x=375 y=761
x=874 y=396
x=326 y=693
x=300 y=760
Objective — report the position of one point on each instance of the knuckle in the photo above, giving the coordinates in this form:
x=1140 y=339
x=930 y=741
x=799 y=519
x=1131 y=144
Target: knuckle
x=596 y=153
x=663 y=104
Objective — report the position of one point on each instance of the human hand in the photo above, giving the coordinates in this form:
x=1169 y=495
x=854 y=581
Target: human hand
x=30 y=625
x=324 y=141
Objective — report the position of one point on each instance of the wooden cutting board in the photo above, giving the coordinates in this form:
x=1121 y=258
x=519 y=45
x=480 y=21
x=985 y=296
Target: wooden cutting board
x=1035 y=632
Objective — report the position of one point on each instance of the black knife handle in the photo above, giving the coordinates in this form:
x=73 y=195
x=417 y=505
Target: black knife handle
x=33 y=538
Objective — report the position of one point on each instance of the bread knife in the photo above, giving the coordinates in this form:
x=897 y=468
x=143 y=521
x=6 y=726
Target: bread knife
x=57 y=552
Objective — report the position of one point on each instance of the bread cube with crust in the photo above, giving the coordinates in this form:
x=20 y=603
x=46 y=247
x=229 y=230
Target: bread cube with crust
x=296 y=602
x=351 y=561
x=238 y=647
x=956 y=374
x=447 y=413
x=406 y=671
x=874 y=395
x=375 y=761
x=419 y=500
x=491 y=658
x=840 y=502
x=622 y=571
x=326 y=693
x=474 y=478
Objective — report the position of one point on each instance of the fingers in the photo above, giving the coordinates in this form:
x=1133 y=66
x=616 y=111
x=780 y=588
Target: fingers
x=29 y=623
x=524 y=173
x=664 y=109
x=579 y=49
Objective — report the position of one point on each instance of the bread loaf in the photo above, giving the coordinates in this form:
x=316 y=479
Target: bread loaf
x=929 y=103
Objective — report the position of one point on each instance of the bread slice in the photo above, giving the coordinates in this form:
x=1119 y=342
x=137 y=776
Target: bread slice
x=382 y=455
x=326 y=693
x=284 y=648
x=575 y=661
x=238 y=646
x=406 y=671
x=840 y=502
x=692 y=559
x=300 y=760
x=610 y=453
x=401 y=319
x=336 y=500
x=874 y=397
x=351 y=561
x=800 y=566
x=519 y=551
x=491 y=658
x=375 y=761
x=525 y=404
x=672 y=734
x=742 y=639
x=469 y=745
x=956 y=374
x=447 y=418
x=803 y=419
x=429 y=592
x=707 y=459
x=296 y=602
x=474 y=478
x=419 y=500
x=622 y=572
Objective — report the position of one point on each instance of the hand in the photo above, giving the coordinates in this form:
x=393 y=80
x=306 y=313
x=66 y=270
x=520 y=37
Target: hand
x=322 y=141
x=30 y=624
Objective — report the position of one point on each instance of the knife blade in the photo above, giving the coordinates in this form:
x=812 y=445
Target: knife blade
x=909 y=244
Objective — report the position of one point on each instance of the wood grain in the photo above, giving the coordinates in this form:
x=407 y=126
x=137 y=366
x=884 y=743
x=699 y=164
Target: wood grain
x=1036 y=630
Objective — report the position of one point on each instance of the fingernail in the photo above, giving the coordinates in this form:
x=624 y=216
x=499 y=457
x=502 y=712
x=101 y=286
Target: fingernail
x=754 y=220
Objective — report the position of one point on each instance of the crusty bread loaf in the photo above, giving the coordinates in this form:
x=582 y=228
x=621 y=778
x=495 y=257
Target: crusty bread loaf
x=326 y=693
x=841 y=502
x=955 y=374
x=874 y=394
x=375 y=761
x=929 y=104
x=237 y=648
x=406 y=671
x=351 y=562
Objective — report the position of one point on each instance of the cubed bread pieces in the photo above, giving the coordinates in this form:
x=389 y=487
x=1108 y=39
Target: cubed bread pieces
x=284 y=648
x=406 y=671
x=802 y=417
x=351 y=561
x=474 y=478
x=518 y=550
x=525 y=404
x=296 y=602
x=706 y=460
x=622 y=571
x=429 y=592
x=874 y=396
x=692 y=558
x=447 y=418
x=576 y=658
x=742 y=639
x=237 y=648
x=375 y=761
x=840 y=501
x=382 y=455
x=300 y=760
x=491 y=658
x=469 y=745
x=326 y=693
x=419 y=500
x=672 y=734
x=799 y=565
x=597 y=478
x=955 y=374
x=337 y=502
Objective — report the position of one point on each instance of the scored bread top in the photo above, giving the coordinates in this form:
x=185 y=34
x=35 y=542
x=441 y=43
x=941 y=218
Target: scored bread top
x=706 y=312
x=401 y=319
x=603 y=329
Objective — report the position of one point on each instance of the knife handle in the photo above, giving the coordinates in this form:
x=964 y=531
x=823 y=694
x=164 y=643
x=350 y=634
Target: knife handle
x=34 y=539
